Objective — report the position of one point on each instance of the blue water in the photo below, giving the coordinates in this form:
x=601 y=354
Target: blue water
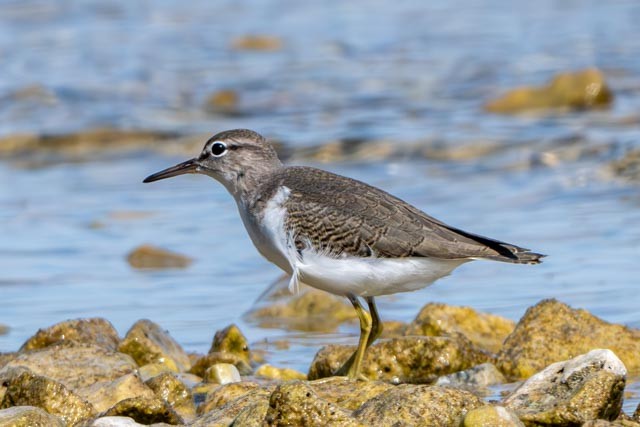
x=398 y=71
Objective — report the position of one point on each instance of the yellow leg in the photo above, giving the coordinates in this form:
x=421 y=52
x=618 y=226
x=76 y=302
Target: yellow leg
x=376 y=326
x=352 y=366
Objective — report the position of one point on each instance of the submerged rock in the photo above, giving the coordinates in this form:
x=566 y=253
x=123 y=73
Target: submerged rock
x=231 y=340
x=552 y=331
x=74 y=365
x=257 y=42
x=4 y=329
x=147 y=256
x=405 y=360
x=146 y=342
x=28 y=416
x=485 y=330
x=310 y=310
x=417 y=405
x=587 y=387
x=576 y=91
x=224 y=102
x=25 y=388
x=627 y=167
x=95 y=331
x=492 y=416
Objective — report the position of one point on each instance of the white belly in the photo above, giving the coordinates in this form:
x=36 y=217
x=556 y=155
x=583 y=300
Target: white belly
x=371 y=276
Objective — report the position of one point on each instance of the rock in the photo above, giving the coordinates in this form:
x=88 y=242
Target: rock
x=28 y=416
x=348 y=394
x=283 y=374
x=627 y=167
x=295 y=403
x=492 y=416
x=551 y=331
x=95 y=331
x=144 y=411
x=417 y=405
x=147 y=256
x=486 y=331
x=406 y=359
x=146 y=342
x=28 y=389
x=252 y=415
x=222 y=395
x=310 y=310
x=587 y=387
x=222 y=373
x=203 y=363
x=230 y=340
x=476 y=378
x=104 y=394
x=225 y=414
x=115 y=422
x=224 y=102
x=576 y=91
x=169 y=388
x=74 y=365
x=6 y=358
x=620 y=422
x=257 y=43
x=4 y=329
x=151 y=370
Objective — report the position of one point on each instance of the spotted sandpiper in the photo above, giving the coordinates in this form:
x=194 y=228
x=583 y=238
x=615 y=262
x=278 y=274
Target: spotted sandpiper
x=335 y=233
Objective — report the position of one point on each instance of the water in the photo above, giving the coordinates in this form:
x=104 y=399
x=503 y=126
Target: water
x=397 y=70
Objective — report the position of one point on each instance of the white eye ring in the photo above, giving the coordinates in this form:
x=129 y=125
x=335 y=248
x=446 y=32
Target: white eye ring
x=218 y=149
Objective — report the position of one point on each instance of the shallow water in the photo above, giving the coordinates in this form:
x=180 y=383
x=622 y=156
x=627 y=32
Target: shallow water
x=408 y=71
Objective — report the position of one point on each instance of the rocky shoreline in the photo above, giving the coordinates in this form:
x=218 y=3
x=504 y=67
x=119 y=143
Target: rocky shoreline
x=570 y=367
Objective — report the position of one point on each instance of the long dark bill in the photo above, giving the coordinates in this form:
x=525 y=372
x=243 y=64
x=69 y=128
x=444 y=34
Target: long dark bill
x=180 y=169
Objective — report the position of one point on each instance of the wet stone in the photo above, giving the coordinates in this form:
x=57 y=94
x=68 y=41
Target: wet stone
x=257 y=42
x=346 y=393
x=572 y=392
x=231 y=340
x=225 y=414
x=403 y=360
x=28 y=416
x=28 y=389
x=296 y=403
x=627 y=167
x=552 y=331
x=477 y=378
x=222 y=373
x=169 y=388
x=283 y=374
x=6 y=358
x=204 y=362
x=418 y=405
x=95 y=331
x=252 y=415
x=147 y=256
x=74 y=365
x=104 y=394
x=492 y=416
x=485 y=330
x=4 y=329
x=151 y=370
x=226 y=393
x=575 y=91
x=145 y=411
x=146 y=342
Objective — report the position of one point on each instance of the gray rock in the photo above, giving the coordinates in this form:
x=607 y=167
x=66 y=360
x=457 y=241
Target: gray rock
x=587 y=387
x=28 y=416
x=74 y=365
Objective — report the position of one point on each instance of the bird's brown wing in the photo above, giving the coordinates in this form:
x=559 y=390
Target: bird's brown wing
x=342 y=215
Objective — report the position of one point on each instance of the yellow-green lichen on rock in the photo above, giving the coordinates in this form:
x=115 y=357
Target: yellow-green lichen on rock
x=95 y=331
x=231 y=340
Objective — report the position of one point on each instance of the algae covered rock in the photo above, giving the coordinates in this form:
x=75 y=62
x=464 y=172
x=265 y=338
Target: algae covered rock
x=492 y=416
x=416 y=359
x=74 y=365
x=231 y=340
x=576 y=91
x=587 y=387
x=169 y=388
x=144 y=411
x=486 y=331
x=28 y=416
x=201 y=365
x=552 y=331
x=348 y=394
x=146 y=342
x=95 y=331
x=296 y=403
x=215 y=412
x=147 y=256
x=104 y=394
x=226 y=393
x=416 y=405
x=25 y=388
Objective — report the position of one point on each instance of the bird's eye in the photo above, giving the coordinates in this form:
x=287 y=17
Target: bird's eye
x=218 y=149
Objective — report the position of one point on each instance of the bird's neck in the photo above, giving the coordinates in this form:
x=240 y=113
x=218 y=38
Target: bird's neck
x=248 y=185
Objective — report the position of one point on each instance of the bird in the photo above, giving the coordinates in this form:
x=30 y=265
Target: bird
x=335 y=233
